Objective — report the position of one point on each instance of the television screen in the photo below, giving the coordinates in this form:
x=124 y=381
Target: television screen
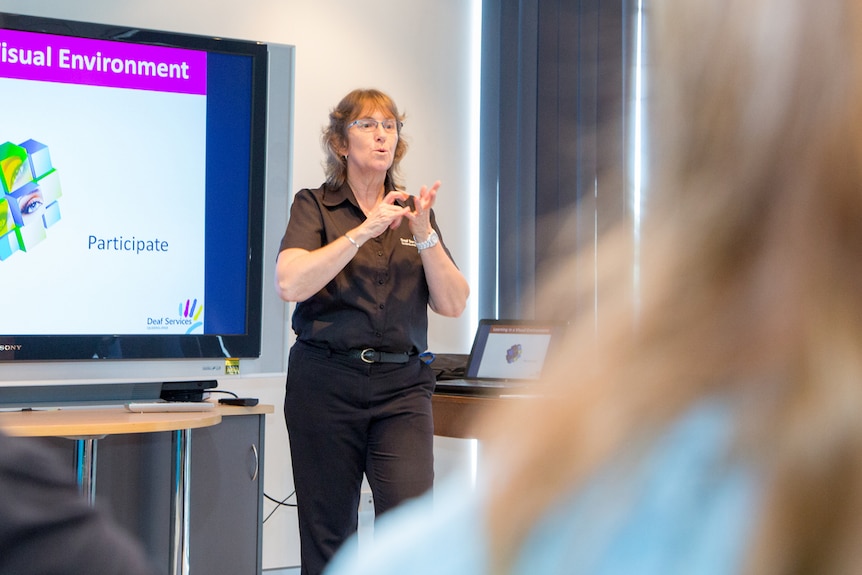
x=132 y=176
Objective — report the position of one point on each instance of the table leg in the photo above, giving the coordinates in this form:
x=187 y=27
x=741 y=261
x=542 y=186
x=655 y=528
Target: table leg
x=181 y=502
x=85 y=464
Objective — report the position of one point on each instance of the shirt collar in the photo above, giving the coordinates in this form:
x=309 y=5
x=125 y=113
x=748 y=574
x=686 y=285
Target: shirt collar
x=335 y=196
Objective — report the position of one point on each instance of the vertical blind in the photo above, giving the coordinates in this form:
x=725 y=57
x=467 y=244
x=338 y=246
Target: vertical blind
x=554 y=138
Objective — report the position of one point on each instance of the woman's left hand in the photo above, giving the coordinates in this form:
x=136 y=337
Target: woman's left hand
x=420 y=217
x=447 y=287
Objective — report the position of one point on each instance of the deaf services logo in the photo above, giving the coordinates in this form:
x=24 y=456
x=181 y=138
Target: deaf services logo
x=191 y=311
x=188 y=316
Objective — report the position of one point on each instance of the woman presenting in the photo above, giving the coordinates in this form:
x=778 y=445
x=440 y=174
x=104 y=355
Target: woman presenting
x=363 y=260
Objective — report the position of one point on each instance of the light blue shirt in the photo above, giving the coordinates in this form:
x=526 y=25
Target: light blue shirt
x=683 y=509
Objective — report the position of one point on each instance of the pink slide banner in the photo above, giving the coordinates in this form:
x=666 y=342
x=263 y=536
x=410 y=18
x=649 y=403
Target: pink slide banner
x=52 y=58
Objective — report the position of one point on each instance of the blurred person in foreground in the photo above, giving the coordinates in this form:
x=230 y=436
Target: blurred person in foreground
x=48 y=528
x=716 y=428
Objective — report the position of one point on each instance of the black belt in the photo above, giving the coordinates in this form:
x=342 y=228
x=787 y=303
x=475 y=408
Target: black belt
x=369 y=355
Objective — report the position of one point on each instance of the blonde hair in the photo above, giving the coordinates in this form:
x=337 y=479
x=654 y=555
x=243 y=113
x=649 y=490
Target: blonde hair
x=752 y=283
x=354 y=105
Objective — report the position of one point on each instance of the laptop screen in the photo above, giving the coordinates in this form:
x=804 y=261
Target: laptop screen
x=511 y=349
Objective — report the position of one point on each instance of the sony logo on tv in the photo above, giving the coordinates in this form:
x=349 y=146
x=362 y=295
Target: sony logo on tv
x=8 y=347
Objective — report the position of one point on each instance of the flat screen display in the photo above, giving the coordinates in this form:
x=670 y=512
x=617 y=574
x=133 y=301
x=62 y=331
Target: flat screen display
x=131 y=192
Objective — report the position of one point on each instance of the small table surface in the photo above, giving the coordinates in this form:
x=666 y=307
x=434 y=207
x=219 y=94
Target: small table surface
x=79 y=422
x=74 y=422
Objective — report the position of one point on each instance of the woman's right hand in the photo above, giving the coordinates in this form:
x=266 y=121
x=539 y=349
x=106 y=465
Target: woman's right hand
x=386 y=214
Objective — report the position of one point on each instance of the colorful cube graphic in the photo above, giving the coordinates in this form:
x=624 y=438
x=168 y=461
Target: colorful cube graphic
x=30 y=236
x=14 y=167
x=30 y=189
x=39 y=157
x=49 y=184
x=7 y=219
x=8 y=245
x=51 y=215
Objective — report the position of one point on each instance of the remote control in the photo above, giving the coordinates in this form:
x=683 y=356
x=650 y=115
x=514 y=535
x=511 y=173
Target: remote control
x=241 y=401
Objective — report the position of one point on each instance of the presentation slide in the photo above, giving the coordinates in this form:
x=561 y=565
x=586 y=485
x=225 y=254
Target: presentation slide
x=103 y=194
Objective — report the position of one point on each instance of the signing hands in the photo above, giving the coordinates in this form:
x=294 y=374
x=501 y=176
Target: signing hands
x=388 y=214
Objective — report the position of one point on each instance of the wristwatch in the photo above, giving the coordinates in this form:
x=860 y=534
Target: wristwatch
x=430 y=242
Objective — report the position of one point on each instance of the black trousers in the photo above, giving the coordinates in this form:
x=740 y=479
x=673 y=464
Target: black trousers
x=344 y=418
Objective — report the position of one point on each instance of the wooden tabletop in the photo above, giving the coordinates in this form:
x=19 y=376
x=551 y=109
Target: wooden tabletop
x=100 y=422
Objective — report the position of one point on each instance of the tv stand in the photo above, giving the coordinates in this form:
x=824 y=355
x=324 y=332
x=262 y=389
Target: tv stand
x=135 y=473
x=88 y=426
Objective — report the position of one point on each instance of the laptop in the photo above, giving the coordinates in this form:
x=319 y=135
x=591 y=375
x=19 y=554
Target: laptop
x=507 y=356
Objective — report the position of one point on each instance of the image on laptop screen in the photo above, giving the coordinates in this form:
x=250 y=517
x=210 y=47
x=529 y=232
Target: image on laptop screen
x=513 y=351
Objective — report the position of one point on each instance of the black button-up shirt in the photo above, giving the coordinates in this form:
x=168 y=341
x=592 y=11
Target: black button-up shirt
x=379 y=299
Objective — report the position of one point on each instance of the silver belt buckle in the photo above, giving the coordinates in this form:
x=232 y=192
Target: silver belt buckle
x=363 y=357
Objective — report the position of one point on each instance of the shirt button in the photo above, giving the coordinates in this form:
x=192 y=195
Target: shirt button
x=381 y=282
x=380 y=253
x=381 y=306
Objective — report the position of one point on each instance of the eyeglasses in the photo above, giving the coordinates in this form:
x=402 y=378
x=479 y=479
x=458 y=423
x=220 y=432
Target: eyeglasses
x=370 y=125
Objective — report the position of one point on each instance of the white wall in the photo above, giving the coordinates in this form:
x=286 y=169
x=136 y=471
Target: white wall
x=417 y=51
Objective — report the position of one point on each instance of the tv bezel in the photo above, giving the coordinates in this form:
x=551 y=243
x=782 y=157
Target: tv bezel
x=101 y=347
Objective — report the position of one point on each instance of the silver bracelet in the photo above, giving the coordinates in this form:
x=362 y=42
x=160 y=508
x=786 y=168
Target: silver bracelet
x=429 y=242
x=352 y=241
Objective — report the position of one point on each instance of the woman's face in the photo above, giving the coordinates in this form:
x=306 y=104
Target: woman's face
x=371 y=142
